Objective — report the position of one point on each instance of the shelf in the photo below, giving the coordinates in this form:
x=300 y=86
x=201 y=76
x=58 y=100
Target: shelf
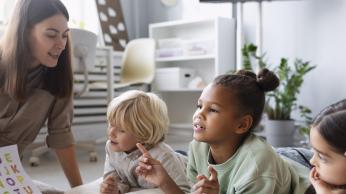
x=185 y=58
x=177 y=68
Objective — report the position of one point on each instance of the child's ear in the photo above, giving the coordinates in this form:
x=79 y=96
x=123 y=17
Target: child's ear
x=244 y=124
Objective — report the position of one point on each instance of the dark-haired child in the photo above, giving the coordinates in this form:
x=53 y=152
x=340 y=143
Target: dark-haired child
x=328 y=139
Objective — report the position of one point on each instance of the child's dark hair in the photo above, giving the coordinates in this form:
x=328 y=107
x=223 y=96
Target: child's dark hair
x=331 y=124
x=248 y=89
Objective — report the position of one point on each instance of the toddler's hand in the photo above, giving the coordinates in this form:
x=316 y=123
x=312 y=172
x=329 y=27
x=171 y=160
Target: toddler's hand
x=109 y=185
x=205 y=185
x=150 y=169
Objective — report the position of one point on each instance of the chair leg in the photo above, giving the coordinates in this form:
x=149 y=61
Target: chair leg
x=149 y=87
x=34 y=159
x=90 y=147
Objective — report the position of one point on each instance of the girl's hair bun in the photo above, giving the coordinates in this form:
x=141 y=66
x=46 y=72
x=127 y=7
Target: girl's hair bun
x=267 y=80
x=246 y=73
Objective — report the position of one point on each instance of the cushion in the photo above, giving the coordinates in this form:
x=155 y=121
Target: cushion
x=300 y=155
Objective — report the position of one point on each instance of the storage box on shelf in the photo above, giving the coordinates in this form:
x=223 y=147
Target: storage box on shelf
x=173 y=78
x=204 y=48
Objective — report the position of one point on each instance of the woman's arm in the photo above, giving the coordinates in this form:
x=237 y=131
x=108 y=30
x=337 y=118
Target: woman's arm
x=68 y=161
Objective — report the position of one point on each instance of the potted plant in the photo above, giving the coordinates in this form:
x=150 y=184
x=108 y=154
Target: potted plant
x=280 y=127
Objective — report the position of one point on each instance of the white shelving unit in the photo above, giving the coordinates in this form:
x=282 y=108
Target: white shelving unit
x=218 y=58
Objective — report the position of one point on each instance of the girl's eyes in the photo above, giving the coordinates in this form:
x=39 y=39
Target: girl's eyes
x=54 y=36
x=212 y=110
x=51 y=35
x=321 y=157
x=209 y=109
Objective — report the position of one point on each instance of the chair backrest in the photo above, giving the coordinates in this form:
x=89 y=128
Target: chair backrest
x=84 y=53
x=84 y=46
x=138 y=62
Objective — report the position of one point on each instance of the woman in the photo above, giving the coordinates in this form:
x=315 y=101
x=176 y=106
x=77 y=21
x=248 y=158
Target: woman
x=36 y=81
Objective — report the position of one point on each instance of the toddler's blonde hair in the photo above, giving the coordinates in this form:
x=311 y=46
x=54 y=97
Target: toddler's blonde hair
x=143 y=114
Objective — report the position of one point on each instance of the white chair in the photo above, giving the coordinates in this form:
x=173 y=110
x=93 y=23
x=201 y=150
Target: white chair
x=84 y=52
x=138 y=64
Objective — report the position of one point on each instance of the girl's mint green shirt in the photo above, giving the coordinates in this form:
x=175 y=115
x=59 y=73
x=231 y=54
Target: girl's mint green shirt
x=254 y=169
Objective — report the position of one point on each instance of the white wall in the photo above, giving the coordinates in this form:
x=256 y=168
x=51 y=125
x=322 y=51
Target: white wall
x=140 y=13
x=313 y=30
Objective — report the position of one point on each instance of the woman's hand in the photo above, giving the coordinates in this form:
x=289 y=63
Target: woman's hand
x=150 y=168
x=205 y=185
x=320 y=186
x=109 y=185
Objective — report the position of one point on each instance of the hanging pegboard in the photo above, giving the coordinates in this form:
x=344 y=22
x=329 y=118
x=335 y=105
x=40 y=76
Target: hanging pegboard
x=112 y=23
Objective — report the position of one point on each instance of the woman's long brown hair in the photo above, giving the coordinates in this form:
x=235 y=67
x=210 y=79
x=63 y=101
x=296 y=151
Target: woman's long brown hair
x=15 y=53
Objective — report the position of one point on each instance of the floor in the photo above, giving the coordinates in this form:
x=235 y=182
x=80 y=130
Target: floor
x=49 y=171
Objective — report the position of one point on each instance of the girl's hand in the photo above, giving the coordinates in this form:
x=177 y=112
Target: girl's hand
x=151 y=169
x=320 y=186
x=109 y=185
x=205 y=185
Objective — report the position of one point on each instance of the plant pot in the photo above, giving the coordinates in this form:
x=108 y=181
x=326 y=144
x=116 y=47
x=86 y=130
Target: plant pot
x=279 y=133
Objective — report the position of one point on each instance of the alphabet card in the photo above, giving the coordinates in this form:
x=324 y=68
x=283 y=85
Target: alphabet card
x=13 y=178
